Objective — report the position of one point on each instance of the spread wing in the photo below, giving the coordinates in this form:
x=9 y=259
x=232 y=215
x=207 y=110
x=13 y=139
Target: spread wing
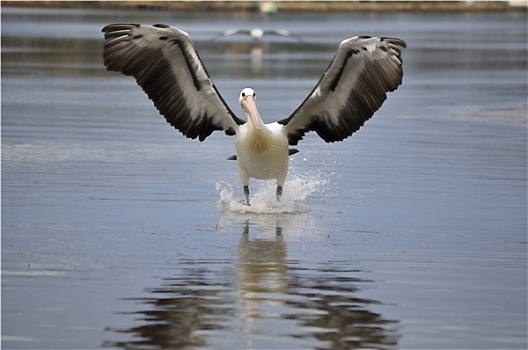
x=282 y=32
x=235 y=31
x=354 y=86
x=165 y=64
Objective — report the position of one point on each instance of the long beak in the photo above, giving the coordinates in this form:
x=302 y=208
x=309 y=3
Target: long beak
x=250 y=107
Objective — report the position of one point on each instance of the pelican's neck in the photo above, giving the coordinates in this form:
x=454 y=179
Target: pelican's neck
x=259 y=139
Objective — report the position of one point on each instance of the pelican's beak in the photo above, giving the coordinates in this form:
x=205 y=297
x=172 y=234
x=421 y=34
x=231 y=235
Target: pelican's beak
x=250 y=107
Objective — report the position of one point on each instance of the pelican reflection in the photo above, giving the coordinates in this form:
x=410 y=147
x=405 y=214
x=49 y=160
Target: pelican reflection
x=259 y=299
x=261 y=277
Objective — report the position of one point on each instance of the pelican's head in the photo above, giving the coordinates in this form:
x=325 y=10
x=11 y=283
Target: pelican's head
x=248 y=103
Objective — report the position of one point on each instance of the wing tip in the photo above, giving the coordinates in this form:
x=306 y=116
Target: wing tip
x=119 y=26
x=395 y=41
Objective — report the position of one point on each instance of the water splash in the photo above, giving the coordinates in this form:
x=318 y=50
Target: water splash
x=263 y=200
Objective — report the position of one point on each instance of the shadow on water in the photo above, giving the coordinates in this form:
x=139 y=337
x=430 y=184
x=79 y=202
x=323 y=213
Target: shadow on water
x=259 y=300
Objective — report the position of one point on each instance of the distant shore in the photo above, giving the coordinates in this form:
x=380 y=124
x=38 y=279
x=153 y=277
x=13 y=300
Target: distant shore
x=286 y=6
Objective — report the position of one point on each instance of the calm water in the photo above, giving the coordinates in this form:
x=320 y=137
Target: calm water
x=118 y=232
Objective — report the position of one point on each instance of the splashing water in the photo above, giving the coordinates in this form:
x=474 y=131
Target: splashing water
x=263 y=199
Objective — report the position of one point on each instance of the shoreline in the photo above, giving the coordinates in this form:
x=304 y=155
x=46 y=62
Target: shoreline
x=283 y=6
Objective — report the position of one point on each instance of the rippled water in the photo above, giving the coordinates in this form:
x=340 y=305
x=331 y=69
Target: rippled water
x=118 y=232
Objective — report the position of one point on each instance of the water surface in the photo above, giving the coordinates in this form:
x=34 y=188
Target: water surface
x=118 y=232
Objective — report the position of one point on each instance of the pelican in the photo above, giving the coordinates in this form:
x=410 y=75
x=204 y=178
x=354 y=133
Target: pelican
x=166 y=65
x=257 y=33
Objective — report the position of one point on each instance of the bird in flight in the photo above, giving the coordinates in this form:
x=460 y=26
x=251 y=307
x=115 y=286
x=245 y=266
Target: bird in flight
x=166 y=65
x=257 y=33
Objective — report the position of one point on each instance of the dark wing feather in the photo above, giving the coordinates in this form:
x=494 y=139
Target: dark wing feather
x=166 y=65
x=354 y=86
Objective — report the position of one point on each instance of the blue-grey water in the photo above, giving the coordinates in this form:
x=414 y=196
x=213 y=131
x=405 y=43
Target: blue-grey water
x=118 y=232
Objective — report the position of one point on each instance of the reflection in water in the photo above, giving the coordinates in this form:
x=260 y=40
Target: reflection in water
x=261 y=277
x=261 y=300
x=186 y=305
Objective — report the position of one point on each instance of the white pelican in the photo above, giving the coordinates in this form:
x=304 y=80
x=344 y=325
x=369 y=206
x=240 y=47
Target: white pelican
x=166 y=65
x=257 y=33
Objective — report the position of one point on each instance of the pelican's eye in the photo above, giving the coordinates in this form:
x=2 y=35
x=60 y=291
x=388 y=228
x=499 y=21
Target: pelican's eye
x=243 y=94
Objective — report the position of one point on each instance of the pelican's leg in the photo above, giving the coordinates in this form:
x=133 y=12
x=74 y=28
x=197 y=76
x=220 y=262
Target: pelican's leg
x=279 y=192
x=246 y=194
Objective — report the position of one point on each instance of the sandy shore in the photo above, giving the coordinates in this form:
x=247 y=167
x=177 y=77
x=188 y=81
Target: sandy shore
x=282 y=5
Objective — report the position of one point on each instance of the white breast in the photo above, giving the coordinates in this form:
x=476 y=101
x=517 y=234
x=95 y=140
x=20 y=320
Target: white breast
x=262 y=154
